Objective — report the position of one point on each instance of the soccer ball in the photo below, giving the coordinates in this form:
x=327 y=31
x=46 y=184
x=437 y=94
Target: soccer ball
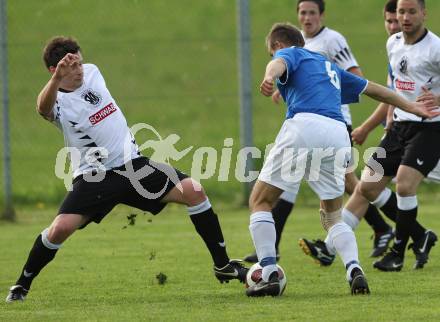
x=253 y=276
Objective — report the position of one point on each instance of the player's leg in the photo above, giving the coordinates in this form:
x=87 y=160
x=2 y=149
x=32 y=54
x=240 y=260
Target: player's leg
x=280 y=213
x=43 y=251
x=206 y=223
x=262 y=229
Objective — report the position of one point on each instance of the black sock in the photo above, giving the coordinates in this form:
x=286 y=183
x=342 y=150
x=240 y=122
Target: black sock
x=390 y=207
x=280 y=213
x=39 y=256
x=375 y=220
x=404 y=224
x=209 y=229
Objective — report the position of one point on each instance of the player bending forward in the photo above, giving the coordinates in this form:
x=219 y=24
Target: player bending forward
x=314 y=90
x=78 y=102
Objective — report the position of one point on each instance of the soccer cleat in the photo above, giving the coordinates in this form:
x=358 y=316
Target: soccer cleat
x=381 y=242
x=262 y=288
x=317 y=250
x=391 y=262
x=233 y=270
x=16 y=293
x=253 y=258
x=422 y=247
x=358 y=282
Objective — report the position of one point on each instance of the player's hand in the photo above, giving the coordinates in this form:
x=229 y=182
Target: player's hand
x=426 y=109
x=359 y=135
x=427 y=97
x=276 y=97
x=267 y=86
x=67 y=65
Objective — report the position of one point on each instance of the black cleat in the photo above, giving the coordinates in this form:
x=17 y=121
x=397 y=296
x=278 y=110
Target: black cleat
x=381 y=243
x=262 y=288
x=16 y=293
x=358 y=283
x=391 y=262
x=317 y=250
x=422 y=247
x=233 y=270
x=253 y=258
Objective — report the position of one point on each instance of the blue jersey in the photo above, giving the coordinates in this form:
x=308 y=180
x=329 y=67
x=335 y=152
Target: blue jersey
x=312 y=84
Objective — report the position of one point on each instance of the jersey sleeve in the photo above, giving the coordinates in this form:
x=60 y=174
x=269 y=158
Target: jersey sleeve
x=288 y=55
x=340 y=52
x=352 y=86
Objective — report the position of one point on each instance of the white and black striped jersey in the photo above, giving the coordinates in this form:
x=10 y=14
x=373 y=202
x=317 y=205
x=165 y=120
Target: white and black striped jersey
x=414 y=66
x=92 y=122
x=334 y=47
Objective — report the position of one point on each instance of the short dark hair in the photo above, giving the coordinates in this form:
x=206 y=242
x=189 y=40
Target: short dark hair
x=57 y=47
x=319 y=3
x=421 y=3
x=286 y=33
x=390 y=6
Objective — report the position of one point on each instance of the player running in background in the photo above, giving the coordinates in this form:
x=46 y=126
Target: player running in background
x=111 y=170
x=334 y=47
x=314 y=123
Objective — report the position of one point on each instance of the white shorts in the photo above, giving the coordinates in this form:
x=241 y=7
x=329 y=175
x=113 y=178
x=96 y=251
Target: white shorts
x=313 y=147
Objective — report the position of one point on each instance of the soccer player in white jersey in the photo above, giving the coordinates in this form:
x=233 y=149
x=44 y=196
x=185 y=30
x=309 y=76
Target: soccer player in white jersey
x=335 y=48
x=357 y=206
x=111 y=170
x=314 y=124
x=411 y=144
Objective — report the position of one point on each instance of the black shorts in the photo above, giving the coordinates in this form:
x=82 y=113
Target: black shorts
x=350 y=129
x=414 y=144
x=96 y=199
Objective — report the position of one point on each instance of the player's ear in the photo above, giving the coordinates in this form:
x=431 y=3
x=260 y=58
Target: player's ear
x=52 y=69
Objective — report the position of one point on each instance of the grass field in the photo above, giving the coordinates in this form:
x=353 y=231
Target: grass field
x=107 y=273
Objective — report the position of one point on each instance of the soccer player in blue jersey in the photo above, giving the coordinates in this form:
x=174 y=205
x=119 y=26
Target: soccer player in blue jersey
x=313 y=144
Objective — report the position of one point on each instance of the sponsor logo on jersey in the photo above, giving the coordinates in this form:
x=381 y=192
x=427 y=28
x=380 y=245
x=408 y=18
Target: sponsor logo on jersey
x=91 y=97
x=102 y=114
x=405 y=86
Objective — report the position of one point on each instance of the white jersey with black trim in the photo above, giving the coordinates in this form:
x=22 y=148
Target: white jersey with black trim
x=413 y=67
x=92 y=122
x=334 y=47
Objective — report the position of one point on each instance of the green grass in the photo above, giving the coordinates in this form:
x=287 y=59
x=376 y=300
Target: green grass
x=107 y=273
x=172 y=64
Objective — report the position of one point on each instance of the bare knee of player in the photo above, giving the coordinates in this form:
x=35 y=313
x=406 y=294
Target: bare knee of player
x=189 y=192
x=406 y=188
x=62 y=227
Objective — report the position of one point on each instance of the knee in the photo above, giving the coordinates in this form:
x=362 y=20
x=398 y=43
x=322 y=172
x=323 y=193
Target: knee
x=259 y=201
x=58 y=232
x=193 y=193
x=405 y=189
x=329 y=219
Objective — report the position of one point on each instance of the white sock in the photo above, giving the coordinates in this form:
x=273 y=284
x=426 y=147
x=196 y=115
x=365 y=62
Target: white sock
x=330 y=247
x=262 y=228
x=343 y=239
x=382 y=198
x=349 y=218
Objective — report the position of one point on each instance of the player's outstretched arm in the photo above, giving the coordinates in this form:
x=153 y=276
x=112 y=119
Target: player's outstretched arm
x=47 y=97
x=274 y=69
x=426 y=109
x=361 y=133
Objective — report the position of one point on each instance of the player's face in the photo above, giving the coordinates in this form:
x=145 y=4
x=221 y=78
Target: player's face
x=411 y=16
x=309 y=18
x=391 y=23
